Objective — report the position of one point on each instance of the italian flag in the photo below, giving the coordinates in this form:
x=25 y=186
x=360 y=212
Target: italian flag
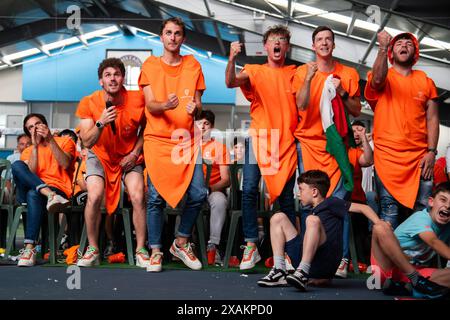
x=336 y=124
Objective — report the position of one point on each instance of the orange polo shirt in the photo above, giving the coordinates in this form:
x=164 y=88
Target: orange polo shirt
x=170 y=147
x=309 y=131
x=400 y=131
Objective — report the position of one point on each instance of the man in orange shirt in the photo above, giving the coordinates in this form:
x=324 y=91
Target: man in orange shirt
x=406 y=126
x=310 y=133
x=219 y=181
x=111 y=134
x=270 y=149
x=43 y=173
x=173 y=85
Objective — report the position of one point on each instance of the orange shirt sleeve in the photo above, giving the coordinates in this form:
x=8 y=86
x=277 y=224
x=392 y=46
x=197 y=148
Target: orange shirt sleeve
x=432 y=93
x=143 y=80
x=26 y=154
x=353 y=83
x=83 y=110
x=68 y=146
x=299 y=78
x=370 y=93
x=201 y=83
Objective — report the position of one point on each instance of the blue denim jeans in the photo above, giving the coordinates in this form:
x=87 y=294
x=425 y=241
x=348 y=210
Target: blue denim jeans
x=390 y=207
x=196 y=195
x=28 y=185
x=250 y=191
x=339 y=192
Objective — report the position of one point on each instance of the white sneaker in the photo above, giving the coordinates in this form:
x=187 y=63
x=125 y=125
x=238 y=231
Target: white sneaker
x=289 y=267
x=250 y=257
x=27 y=258
x=91 y=258
x=155 y=264
x=57 y=204
x=142 y=258
x=186 y=255
x=342 y=270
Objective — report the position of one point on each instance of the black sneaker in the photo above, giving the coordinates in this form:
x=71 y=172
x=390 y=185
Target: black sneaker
x=298 y=279
x=427 y=289
x=396 y=288
x=275 y=278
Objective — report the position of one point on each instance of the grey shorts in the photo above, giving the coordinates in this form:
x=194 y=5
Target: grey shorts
x=95 y=168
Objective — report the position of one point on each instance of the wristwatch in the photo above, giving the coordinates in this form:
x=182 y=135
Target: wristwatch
x=432 y=150
x=99 y=125
x=345 y=96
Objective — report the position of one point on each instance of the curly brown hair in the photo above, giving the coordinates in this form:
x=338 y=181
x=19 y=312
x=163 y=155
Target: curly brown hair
x=111 y=63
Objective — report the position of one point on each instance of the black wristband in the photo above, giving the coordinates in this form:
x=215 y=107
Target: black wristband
x=432 y=150
x=345 y=96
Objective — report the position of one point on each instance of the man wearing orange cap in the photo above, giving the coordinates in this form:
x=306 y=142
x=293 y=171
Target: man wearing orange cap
x=110 y=121
x=173 y=85
x=406 y=126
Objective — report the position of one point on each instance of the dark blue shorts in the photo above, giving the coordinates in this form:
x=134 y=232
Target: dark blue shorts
x=326 y=260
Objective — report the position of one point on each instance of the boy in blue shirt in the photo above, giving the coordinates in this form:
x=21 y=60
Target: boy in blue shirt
x=416 y=242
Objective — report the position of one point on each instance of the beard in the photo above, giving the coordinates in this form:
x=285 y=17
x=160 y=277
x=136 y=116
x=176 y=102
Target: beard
x=407 y=63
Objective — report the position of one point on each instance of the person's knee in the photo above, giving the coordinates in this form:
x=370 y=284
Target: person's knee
x=17 y=167
x=278 y=218
x=33 y=195
x=381 y=230
x=94 y=199
x=312 y=221
x=137 y=197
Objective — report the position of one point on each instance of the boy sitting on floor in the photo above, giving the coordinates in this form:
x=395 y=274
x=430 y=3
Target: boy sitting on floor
x=318 y=254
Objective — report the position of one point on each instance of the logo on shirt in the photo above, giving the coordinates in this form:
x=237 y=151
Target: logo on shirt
x=420 y=96
x=186 y=94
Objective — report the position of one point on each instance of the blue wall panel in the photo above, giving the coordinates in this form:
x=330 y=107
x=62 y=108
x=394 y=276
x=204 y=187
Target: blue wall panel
x=73 y=74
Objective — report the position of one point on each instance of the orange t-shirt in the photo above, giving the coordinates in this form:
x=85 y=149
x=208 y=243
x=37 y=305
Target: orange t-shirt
x=218 y=154
x=273 y=114
x=48 y=168
x=400 y=131
x=111 y=148
x=170 y=147
x=310 y=131
x=358 y=194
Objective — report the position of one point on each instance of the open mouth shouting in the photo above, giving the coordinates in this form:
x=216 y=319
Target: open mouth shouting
x=277 y=51
x=444 y=214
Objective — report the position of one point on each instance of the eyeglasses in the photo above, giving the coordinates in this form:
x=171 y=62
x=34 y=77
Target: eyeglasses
x=280 y=39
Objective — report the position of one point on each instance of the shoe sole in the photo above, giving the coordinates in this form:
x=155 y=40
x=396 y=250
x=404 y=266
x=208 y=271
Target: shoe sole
x=296 y=284
x=251 y=266
x=140 y=265
x=150 y=269
x=172 y=251
x=58 y=207
x=96 y=263
x=272 y=284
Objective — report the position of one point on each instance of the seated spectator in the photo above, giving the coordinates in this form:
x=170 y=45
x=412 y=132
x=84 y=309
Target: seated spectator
x=359 y=157
x=23 y=142
x=218 y=183
x=318 y=255
x=410 y=251
x=42 y=178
